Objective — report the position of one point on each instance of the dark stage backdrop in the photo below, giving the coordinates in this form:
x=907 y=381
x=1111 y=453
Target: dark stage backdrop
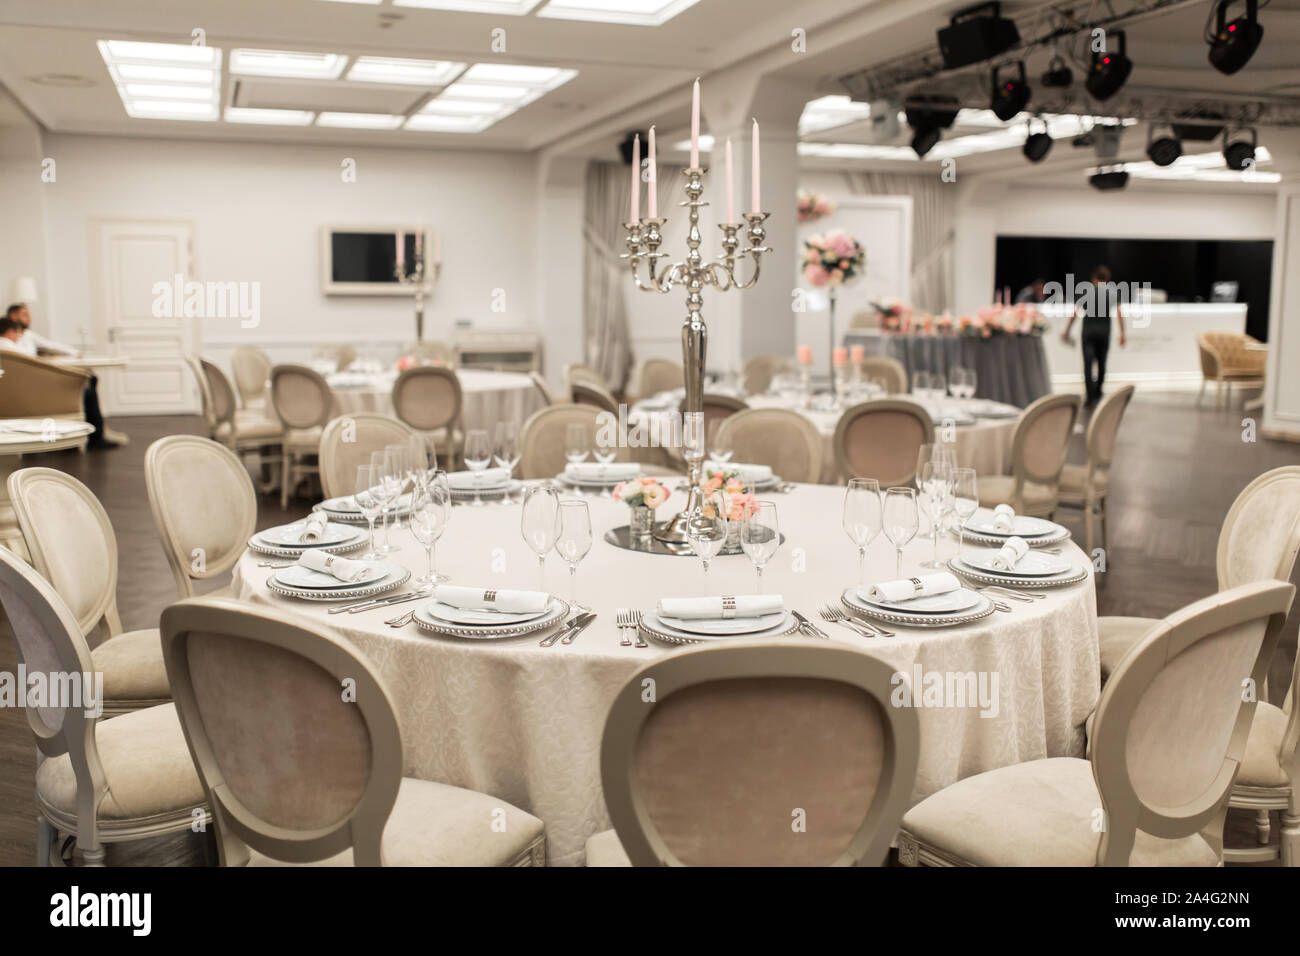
x=1185 y=268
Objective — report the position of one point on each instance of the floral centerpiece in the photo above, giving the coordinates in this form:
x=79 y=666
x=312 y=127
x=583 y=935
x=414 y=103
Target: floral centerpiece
x=833 y=259
x=740 y=502
x=1021 y=319
x=813 y=207
x=642 y=496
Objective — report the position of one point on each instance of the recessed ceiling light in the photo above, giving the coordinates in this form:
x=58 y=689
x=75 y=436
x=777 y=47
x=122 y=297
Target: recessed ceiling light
x=171 y=109
x=442 y=123
x=164 y=74
x=706 y=144
x=165 y=91
x=444 y=104
x=164 y=80
x=161 y=52
x=287 y=63
x=482 y=91
x=359 y=120
x=510 y=8
x=546 y=77
x=645 y=13
x=264 y=117
x=382 y=69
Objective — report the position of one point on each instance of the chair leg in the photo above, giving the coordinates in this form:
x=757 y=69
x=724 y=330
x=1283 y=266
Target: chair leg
x=1218 y=396
x=1087 y=526
x=46 y=836
x=1291 y=837
x=1262 y=827
x=1201 y=394
x=1101 y=517
x=285 y=469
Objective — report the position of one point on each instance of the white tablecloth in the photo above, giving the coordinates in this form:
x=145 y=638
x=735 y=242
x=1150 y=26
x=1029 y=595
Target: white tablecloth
x=523 y=722
x=489 y=396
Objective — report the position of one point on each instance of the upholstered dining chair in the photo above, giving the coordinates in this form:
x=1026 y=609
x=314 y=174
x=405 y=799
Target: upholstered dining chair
x=659 y=375
x=298 y=772
x=716 y=407
x=103 y=781
x=241 y=430
x=349 y=441
x=587 y=393
x=880 y=439
x=203 y=505
x=584 y=374
x=1038 y=448
x=252 y=370
x=34 y=387
x=430 y=400
x=783 y=440
x=726 y=761
x=72 y=545
x=889 y=370
x=1085 y=486
x=760 y=370
x=543 y=390
x=304 y=402
x=1169 y=736
x=541 y=440
x=1229 y=358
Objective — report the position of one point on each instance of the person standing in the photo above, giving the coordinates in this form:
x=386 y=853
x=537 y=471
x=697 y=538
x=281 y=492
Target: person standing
x=1095 y=334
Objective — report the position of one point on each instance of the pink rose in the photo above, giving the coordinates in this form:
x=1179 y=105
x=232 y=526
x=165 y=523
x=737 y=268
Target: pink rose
x=816 y=274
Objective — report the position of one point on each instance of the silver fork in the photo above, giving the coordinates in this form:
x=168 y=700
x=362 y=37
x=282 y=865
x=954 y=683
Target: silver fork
x=401 y=620
x=623 y=617
x=636 y=626
x=830 y=618
x=839 y=617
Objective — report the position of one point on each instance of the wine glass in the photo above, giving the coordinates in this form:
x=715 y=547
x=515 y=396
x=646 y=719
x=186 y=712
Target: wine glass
x=938 y=391
x=972 y=382
x=899 y=520
x=604 y=453
x=573 y=542
x=933 y=451
x=430 y=510
x=921 y=384
x=540 y=524
x=400 y=462
x=421 y=461
x=478 y=455
x=760 y=536
x=387 y=489
x=965 y=500
x=368 y=502
x=577 y=443
x=933 y=480
x=506 y=450
x=862 y=517
x=706 y=531
x=720 y=445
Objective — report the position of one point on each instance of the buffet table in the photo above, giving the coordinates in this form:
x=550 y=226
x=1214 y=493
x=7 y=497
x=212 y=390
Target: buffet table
x=488 y=396
x=524 y=722
x=1010 y=368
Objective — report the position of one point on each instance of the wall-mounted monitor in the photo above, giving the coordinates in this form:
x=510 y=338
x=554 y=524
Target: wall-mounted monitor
x=362 y=260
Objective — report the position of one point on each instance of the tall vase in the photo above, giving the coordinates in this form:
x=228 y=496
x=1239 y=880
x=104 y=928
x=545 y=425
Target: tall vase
x=830 y=355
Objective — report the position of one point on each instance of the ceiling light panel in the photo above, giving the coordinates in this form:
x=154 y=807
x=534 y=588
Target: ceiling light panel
x=164 y=80
x=486 y=94
x=289 y=64
x=828 y=112
x=359 y=120
x=381 y=69
x=263 y=117
x=510 y=8
x=642 y=13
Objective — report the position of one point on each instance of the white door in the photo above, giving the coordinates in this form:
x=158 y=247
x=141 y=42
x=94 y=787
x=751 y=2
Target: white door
x=131 y=260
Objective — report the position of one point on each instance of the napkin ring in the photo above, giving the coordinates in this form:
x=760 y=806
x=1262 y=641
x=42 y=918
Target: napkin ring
x=728 y=608
x=489 y=596
x=917 y=586
x=329 y=562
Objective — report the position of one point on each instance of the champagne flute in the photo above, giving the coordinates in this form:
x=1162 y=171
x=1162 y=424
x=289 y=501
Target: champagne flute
x=478 y=454
x=760 y=536
x=430 y=511
x=540 y=524
x=966 y=500
x=899 y=520
x=706 y=531
x=368 y=503
x=933 y=480
x=862 y=518
x=506 y=450
x=400 y=462
x=573 y=542
x=387 y=488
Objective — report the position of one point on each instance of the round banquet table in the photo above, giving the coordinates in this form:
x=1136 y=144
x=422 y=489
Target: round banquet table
x=488 y=396
x=1009 y=368
x=524 y=722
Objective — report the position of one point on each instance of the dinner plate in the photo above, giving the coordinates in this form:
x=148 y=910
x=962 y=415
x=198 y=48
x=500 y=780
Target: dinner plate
x=395 y=576
x=570 y=480
x=718 y=627
x=959 y=418
x=1022 y=526
x=345 y=507
x=288 y=535
x=297 y=576
x=1033 y=564
x=652 y=626
x=556 y=611
x=1073 y=575
x=857 y=607
x=463 y=615
x=949 y=602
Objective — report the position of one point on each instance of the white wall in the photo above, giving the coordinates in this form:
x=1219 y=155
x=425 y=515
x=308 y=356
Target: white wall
x=22 y=198
x=257 y=210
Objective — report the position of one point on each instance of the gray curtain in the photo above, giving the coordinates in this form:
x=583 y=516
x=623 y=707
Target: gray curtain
x=607 y=341
x=933 y=217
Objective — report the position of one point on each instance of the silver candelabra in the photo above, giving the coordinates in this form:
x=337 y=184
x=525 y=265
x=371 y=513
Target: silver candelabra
x=643 y=241
x=415 y=278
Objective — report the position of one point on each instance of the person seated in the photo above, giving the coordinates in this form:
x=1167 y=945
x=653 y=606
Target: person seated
x=16 y=333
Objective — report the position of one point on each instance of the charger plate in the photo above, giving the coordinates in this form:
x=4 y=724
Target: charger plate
x=395 y=578
x=556 y=612
x=983 y=577
x=652 y=626
x=857 y=607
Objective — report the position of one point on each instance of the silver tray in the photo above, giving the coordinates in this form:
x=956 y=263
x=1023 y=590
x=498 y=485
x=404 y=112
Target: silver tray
x=621 y=537
x=667 y=638
x=928 y=619
x=339 y=594
x=1029 y=582
x=557 y=613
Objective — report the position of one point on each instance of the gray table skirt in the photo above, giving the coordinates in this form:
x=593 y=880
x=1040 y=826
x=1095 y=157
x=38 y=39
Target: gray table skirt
x=1010 y=368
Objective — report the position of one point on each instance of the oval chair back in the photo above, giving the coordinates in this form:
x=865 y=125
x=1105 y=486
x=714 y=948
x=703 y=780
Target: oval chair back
x=880 y=439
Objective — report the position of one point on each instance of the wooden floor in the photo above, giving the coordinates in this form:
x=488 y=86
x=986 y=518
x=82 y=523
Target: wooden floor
x=1178 y=471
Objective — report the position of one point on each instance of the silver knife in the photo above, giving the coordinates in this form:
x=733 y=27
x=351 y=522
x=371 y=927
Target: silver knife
x=804 y=622
x=568 y=626
x=578 y=627
x=373 y=602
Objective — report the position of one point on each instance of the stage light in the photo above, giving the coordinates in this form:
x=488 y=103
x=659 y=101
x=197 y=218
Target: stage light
x=1198 y=132
x=1163 y=151
x=1058 y=74
x=1111 y=179
x=969 y=38
x=1037 y=145
x=1009 y=96
x=1110 y=68
x=1240 y=155
x=927 y=114
x=1233 y=44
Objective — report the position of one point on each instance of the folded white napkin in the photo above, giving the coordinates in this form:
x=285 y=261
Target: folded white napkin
x=1009 y=554
x=615 y=470
x=1003 y=517
x=464 y=480
x=342 y=568
x=491 y=599
x=313 y=527
x=904 y=589
x=749 y=474
x=712 y=608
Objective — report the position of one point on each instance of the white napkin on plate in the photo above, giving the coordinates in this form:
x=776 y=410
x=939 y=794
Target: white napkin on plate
x=491 y=599
x=904 y=589
x=1009 y=554
x=1004 y=517
x=749 y=474
x=313 y=527
x=344 y=569
x=464 y=480
x=593 y=470
x=711 y=608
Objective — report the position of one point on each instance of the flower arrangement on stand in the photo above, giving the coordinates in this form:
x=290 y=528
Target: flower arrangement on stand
x=1022 y=319
x=833 y=260
x=642 y=496
x=812 y=207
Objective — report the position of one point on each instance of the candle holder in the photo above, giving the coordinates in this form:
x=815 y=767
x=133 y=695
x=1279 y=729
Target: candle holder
x=643 y=240
x=415 y=279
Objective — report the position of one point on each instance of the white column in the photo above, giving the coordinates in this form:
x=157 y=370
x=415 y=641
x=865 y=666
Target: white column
x=1282 y=385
